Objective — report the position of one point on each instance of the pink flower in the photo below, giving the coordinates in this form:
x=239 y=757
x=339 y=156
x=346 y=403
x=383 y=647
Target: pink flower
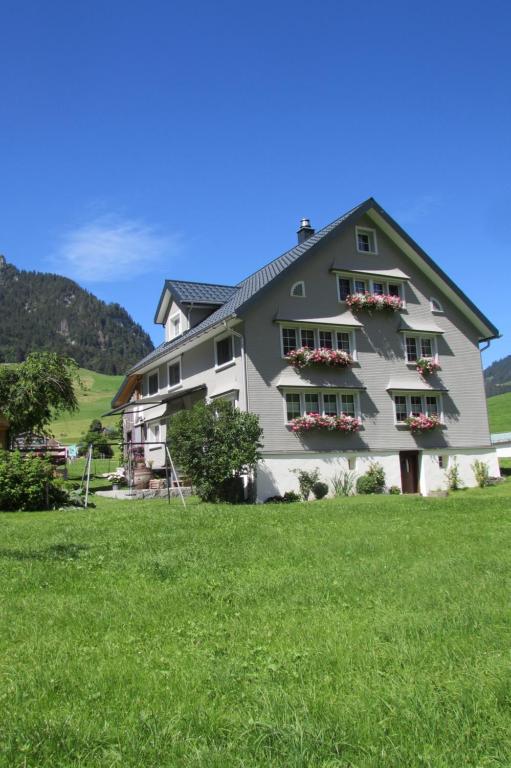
x=342 y=423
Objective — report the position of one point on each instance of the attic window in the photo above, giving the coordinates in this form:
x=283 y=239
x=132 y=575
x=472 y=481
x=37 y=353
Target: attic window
x=298 y=289
x=175 y=325
x=435 y=305
x=153 y=383
x=366 y=240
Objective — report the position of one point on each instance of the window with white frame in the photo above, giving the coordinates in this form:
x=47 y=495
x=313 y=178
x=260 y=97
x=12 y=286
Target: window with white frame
x=435 y=305
x=298 y=289
x=313 y=338
x=366 y=240
x=326 y=403
x=377 y=285
x=175 y=326
x=420 y=346
x=175 y=374
x=415 y=404
x=224 y=351
x=153 y=383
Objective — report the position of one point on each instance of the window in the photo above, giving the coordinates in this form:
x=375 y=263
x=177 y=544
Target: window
x=366 y=240
x=175 y=326
x=419 y=346
x=352 y=463
x=325 y=339
x=298 y=289
x=443 y=462
x=293 y=406
x=326 y=403
x=307 y=338
x=346 y=286
x=394 y=289
x=311 y=400
x=378 y=289
x=153 y=383
x=343 y=341
x=329 y=338
x=413 y=405
x=174 y=374
x=288 y=340
x=360 y=286
x=435 y=305
x=224 y=351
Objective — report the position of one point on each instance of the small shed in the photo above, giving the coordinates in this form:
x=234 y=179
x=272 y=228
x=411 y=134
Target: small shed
x=502 y=442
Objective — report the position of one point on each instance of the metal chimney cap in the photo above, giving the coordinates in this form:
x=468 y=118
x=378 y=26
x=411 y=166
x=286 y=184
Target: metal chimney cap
x=305 y=224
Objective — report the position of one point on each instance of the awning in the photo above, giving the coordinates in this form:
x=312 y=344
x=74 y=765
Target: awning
x=344 y=320
x=284 y=384
x=154 y=400
x=419 y=326
x=389 y=274
x=409 y=384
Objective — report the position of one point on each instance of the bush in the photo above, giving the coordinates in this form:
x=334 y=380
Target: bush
x=288 y=498
x=96 y=437
x=373 y=481
x=306 y=480
x=394 y=490
x=481 y=472
x=454 y=481
x=27 y=483
x=343 y=483
x=215 y=445
x=320 y=490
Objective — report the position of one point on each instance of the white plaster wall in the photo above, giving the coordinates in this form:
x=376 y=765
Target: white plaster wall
x=433 y=478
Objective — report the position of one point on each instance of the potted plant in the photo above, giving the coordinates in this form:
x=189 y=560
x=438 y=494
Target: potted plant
x=376 y=301
x=117 y=478
x=315 y=421
x=304 y=357
x=426 y=365
x=423 y=423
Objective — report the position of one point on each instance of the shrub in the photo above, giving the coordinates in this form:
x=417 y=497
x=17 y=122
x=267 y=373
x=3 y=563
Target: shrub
x=481 y=472
x=373 y=481
x=96 y=437
x=288 y=498
x=343 y=483
x=454 y=481
x=394 y=490
x=320 y=490
x=215 y=444
x=306 y=480
x=27 y=483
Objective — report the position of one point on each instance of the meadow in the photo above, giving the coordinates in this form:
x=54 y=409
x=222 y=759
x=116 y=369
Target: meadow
x=499 y=412
x=363 y=632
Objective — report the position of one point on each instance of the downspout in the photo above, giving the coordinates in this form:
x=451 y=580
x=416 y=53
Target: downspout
x=243 y=362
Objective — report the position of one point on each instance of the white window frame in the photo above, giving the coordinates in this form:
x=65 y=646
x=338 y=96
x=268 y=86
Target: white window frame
x=438 y=310
x=171 y=363
x=370 y=280
x=423 y=395
x=228 y=363
x=418 y=341
x=149 y=375
x=172 y=319
x=334 y=329
x=366 y=230
x=298 y=295
x=320 y=392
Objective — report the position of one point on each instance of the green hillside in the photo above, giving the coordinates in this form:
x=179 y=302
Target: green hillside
x=499 y=411
x=94 y=401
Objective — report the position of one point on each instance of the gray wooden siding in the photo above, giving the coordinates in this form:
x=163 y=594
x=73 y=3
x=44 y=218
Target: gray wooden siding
x=380 y=355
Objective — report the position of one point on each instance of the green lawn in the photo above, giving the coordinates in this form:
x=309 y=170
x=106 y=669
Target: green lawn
x=499 y=412
x=373 y=631
x=94 y=401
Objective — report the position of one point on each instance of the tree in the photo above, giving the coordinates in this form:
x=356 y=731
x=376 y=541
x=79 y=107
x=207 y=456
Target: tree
x=32 y=393
x=215 y=444
x=96 y=437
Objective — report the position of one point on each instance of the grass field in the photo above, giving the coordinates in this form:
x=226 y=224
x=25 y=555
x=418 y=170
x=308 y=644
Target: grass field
x=370 y=632
x=94 y=401
x=499 y=411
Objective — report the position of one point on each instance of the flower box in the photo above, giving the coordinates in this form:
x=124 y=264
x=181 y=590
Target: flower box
x=313 y=421
x=423 y=423
x=426 y=365
x=305 y=357
x=376 y=301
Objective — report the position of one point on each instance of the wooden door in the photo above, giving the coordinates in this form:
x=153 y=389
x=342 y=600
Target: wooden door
x=409 y=461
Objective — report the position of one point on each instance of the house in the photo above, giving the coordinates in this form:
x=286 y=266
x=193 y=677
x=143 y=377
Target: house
x=502 y=443
x=238 y=342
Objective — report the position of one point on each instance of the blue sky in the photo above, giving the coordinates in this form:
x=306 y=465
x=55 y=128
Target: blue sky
x=142 y=141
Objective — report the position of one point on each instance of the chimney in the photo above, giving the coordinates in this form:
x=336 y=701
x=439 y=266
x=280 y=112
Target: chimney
x=305 y=230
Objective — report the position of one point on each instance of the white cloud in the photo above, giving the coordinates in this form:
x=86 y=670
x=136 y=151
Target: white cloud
x=111 y=248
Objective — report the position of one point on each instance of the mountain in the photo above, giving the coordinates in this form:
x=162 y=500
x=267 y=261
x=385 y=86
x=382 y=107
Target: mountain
x=47 y=312
x=497 y=377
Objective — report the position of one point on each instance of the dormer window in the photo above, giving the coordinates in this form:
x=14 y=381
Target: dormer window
x=366 y=240
x=298 y=290
x=175 y=326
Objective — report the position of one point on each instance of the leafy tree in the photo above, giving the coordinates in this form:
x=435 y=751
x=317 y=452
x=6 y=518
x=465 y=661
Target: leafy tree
x=215 y=444
x=33 y=392
x=27 y=482
x=96 y=437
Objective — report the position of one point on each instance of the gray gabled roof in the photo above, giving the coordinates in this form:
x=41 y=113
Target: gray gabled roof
x=242 y=294
x=187 y=292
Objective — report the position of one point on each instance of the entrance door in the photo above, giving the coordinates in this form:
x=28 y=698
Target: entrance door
x=409 y=461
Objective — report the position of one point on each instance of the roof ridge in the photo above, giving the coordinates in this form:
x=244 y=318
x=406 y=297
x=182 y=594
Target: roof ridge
x=198 y=282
